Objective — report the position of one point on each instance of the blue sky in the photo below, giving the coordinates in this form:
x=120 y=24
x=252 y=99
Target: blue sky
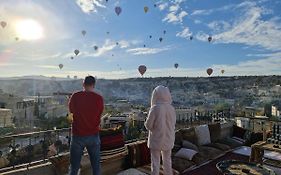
x=246 y=38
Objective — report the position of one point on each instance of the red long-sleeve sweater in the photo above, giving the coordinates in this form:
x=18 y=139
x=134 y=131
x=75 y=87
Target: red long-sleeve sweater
x=87 y=108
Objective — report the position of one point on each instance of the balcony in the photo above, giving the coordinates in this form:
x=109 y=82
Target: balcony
x=39 y=152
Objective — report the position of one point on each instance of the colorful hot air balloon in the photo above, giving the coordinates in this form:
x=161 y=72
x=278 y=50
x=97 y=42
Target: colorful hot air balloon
x=76 y=52
x=160 y=39
x=60 y=66
x=96 y=47
x=142 y=69
x=145 y=9
x=209 y=71
x=83 y=32
x=118 y=10
x=176 y=65
x=3 y=24
x=222 y=71
x=210 y=38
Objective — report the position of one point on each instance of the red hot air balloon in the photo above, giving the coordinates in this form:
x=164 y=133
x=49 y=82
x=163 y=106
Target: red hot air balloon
x=3 y=24
x=60 y=66
x=210 y=38
x=83 y=32
x=142 y=69
x=209 y=71
x=118 y=10
x=76 y=52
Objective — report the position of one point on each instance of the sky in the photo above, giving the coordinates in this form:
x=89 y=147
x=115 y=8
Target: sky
x=37 y=36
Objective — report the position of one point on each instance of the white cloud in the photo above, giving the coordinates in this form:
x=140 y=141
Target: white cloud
x=146 y=51
x=175 y=14
x=251 y=30
x=124 y=44
x=163 y=6
x=47 y=66
x=185 y=33
x=219 y=26
x=88 y=6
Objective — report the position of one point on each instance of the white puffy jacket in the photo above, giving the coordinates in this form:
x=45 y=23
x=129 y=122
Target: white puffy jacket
x=161 y=120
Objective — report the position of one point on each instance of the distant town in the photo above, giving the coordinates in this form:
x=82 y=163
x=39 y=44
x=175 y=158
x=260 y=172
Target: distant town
x=40 y=103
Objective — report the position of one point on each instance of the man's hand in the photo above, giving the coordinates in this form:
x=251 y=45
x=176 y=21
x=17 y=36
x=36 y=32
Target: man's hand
x=70 y=118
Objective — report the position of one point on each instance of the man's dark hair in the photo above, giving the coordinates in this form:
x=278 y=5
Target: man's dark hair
x=89 y=81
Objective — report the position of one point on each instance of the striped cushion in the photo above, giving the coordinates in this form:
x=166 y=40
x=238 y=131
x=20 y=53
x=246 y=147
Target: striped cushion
x=138 y=154
x=112 y=142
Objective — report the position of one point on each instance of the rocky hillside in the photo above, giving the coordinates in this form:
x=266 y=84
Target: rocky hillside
x=186 y=91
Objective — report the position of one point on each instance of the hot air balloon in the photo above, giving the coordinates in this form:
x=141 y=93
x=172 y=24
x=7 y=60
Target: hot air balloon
x=150 y=36
x=209 y=71
x=3 y=24
x=76 y=52
x=107 y=33
x=83 y=32
x=106 y=0
x=144 y=45
x=60 y=66
x=176 y=65
x=118 y=10
x=117 y=43
x=222 y=71
x=96 y=47
x=210 y=38
x=112 y=55
x=160 y=39
x=155 y=5
x=145 y=9
x=191 y=37
x=72 y=58
x=142 y=69
x=164 y=32
x=16 y=38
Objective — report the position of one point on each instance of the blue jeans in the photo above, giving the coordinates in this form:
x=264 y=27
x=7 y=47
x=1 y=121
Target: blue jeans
x=92 y=144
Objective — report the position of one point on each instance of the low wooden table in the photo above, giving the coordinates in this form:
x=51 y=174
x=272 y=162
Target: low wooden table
x=258 y=150
x=235 y=167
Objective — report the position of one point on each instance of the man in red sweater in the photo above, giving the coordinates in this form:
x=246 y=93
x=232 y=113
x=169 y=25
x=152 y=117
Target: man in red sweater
x=86 y=107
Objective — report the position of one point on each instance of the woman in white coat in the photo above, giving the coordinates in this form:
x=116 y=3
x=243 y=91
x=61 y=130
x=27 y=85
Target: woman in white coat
x=161 y=125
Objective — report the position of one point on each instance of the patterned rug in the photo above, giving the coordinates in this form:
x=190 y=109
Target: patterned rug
x=211 y=169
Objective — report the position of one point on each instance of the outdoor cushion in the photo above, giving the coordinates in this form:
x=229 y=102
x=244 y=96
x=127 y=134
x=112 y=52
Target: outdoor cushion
x=238 y=132
x=186 y=153
x=226 y=130
x=209 y=152
x=215 y=131
x=203 y=134
x=189 y=145
x=189 y=134
x=231 y=142
x=178 y=138
x=219 y=146
x=181 y=164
